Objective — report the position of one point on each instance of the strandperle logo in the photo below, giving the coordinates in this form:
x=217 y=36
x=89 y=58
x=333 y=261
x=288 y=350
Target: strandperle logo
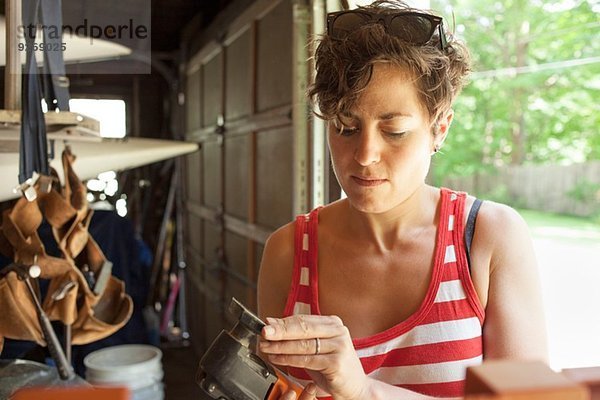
x=91 y=31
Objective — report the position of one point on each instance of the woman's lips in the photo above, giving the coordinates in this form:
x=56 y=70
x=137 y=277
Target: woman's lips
x=367 y=181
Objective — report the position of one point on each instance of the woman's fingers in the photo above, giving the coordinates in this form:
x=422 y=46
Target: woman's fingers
x=305 y=341
x=316 y=363
x=309 y=393
x=300 y=346
x=313 y=346
x=303 y=327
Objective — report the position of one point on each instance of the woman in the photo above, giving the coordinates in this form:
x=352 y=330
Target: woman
x=374 y=296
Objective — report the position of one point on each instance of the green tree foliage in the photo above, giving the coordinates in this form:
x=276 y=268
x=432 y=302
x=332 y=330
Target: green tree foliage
x=534 y=95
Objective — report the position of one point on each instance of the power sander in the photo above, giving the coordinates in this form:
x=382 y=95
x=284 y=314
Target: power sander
x=230 y=370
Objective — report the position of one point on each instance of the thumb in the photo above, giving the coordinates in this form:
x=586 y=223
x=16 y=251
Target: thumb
x=309 y=392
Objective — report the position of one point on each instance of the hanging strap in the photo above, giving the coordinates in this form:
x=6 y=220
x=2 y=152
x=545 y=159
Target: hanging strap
x=470 y=228
x=33 y=151
x=56 y=83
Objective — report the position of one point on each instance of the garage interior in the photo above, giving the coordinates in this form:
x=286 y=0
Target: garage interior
x=230 y=77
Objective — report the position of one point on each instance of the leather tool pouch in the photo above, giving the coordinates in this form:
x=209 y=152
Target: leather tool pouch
x=81 y=292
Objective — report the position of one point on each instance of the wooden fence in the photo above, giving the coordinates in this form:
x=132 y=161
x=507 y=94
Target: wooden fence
x=566 y=189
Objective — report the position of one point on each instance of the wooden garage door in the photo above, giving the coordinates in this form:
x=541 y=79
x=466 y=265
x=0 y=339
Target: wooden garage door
x=244 y=105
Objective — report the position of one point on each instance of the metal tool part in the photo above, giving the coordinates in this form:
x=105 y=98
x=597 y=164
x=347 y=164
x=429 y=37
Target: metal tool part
x=62 y=291
x=65 y=370
x=102 y=277
x=58 y=295
x=88 y=275
x=229 y=370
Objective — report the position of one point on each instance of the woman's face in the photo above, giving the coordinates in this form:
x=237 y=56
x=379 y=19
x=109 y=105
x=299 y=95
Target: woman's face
x=381 y=150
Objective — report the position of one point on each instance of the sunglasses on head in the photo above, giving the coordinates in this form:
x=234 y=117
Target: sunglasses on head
x=413 y=27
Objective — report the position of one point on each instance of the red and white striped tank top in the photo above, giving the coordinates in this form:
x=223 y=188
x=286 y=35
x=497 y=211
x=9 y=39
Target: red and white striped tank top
x=428 y=352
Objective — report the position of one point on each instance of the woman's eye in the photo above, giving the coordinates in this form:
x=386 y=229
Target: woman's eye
x=396 y=135
x=347 y=131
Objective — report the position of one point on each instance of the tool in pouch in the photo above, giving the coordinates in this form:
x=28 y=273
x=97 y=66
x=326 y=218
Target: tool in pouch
x=230 y=370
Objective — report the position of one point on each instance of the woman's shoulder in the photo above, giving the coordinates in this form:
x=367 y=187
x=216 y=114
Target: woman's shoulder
x=500 y=229
x=280 y=244
x=496 y=216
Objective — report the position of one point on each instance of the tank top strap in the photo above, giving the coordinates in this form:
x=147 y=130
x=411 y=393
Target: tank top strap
x=456 y=255
x=302 y=297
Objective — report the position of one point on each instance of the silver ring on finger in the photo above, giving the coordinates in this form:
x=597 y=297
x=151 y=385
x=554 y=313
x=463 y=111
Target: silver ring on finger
x=317 y=346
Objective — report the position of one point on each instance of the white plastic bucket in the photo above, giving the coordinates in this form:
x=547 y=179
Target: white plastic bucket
x=136 y=366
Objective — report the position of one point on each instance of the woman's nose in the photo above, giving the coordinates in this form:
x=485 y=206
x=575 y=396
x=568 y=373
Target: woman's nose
x=368 y=149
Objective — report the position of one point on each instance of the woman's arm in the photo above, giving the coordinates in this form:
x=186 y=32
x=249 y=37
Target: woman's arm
x=275 y=274
x=514 y=325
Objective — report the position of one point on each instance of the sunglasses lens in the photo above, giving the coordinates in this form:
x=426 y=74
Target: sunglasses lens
x=346 y=23
x=411 y=28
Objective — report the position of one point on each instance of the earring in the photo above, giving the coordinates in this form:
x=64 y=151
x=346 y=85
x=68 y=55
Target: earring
x=436 y=148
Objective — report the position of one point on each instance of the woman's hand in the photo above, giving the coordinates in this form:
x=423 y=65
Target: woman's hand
x=321 y=345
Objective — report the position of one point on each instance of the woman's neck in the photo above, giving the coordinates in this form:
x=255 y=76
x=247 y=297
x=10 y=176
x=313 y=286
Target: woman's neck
x=406 y=219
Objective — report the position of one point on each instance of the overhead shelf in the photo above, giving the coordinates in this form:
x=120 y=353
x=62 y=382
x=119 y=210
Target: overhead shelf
x=94 y=155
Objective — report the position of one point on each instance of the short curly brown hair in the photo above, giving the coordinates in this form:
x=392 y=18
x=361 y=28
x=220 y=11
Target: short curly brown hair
x=344 y=66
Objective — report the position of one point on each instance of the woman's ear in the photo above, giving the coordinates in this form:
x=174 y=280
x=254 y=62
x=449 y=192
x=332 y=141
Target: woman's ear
x=443 y=126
